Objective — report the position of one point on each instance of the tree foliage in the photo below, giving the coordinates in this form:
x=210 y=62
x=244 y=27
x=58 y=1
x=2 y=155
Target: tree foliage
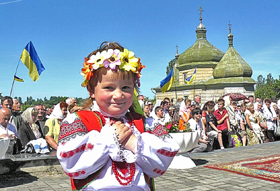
x=30 y=102
x=267 y=88
x=170 y=66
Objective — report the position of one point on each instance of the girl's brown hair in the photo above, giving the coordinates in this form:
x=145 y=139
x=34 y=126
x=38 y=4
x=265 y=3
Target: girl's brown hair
x=120 y=74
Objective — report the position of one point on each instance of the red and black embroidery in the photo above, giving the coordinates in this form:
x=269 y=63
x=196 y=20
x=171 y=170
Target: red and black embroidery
x=158 y=171
x=82 y=148
x=69 y=131
x=75 y=174
x=167 y=153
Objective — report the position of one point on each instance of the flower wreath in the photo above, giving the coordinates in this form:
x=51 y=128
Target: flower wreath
x=112 y=59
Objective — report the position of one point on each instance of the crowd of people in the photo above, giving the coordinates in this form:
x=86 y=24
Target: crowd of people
x=223 y=124
x=108 y=145
x=253 y=121
x=35 y=128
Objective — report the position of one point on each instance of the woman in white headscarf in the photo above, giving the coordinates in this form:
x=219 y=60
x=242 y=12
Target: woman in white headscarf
x=29 y=130
x=271 y=117
x=52 y=125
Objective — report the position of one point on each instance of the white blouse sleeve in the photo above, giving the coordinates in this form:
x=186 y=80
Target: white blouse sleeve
x=154 y=155
x=84 y=153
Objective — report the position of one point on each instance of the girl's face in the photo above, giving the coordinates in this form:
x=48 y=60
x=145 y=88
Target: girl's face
x=113 y=94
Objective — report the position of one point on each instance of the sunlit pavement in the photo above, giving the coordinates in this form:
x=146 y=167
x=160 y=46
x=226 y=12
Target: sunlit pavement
x=197 y=178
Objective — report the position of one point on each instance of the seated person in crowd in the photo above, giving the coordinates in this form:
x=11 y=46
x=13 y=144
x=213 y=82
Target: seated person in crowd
x=211 y=126
x=7 y=130
x=160 y=118
x=254 y=130
x=165 y=108
x=222 y=122
x=29 y=130
x=185 y=113
x=52 y=125
x=241 y=124
x=196 y=124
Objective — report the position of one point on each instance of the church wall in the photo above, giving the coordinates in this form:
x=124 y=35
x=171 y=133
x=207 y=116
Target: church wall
x=206 y=94
x=201 y=74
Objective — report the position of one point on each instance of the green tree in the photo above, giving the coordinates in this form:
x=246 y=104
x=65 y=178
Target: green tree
x=267 y=88
x=170 y=66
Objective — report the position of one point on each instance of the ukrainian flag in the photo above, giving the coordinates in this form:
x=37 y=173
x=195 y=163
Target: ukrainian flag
x=166 y=83
x=31 y=60
x=18 y=79
x=191 y=78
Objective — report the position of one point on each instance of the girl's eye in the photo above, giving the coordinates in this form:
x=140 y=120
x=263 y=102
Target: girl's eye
x=108 y=87
x=126 y=87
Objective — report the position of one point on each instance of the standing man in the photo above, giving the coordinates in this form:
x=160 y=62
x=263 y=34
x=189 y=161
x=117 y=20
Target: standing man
x=16 y=106
x=197 y=101
x=7 y=102
x=16 y=114
x=251 y=98
x=15 y=118
x=41 y=117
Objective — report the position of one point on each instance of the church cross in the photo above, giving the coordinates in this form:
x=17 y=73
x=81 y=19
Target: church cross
x=200 y=12
x=229 y=27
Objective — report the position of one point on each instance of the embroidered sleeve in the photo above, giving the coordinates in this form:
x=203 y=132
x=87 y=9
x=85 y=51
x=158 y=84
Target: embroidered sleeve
x=154 y=155
x=82 y=153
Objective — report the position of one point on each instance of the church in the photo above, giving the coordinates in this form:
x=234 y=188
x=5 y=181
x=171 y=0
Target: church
x=216 y=73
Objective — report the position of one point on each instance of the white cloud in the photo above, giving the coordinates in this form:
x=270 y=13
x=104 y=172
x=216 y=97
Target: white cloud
x=9 y=2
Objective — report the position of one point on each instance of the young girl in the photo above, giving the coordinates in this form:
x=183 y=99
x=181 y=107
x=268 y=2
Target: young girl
x=106 y=148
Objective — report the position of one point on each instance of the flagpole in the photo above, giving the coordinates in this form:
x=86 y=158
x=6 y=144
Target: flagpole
x=175 y=66
x=14 y=79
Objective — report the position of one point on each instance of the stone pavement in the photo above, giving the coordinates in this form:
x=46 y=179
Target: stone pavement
x=198 y=178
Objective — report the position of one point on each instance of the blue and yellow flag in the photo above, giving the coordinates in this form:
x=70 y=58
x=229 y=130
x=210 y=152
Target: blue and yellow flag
x=166 y=83
x=191 y=78
x=31 y=60
x=18 y=79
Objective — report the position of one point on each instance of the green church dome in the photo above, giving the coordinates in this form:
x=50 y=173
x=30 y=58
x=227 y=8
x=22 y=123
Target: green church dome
x=201 y=50
x=232 y=64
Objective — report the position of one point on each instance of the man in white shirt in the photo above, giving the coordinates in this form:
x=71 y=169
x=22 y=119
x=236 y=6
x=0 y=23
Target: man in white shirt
x=196 y=124
x=6 y=129
x=160 y=117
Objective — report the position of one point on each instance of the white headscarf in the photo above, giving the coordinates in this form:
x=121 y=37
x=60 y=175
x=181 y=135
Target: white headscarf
x=153 y=114
x=27 y=117
x=27 y=114
x=56 y=113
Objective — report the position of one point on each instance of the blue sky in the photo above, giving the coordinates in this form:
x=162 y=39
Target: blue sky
x=64 y=32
